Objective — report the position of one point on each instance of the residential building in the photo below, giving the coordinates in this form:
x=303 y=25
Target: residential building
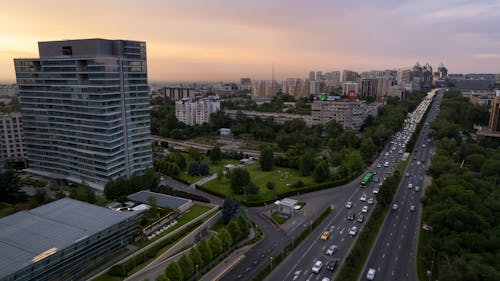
x=85 y=106
x=264 y=89
x=192 y=112
x=177 y=93
x=312 y=75
x=350 y=89
x=349 y=76
x=350 y=114
x=297 y=87
x=314 y=87
x=62 y=240
x=332 y=79
x=403 y=75
x=245 y=84
x=11 y=137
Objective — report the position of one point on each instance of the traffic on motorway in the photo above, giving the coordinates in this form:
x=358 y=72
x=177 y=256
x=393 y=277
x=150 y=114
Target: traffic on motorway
x=322 y=253
x=393 y=256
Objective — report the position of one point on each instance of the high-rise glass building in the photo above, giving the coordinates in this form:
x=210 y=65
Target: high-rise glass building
x=85 y=107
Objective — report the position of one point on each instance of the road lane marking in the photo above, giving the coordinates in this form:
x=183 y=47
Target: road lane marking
x=383 y=255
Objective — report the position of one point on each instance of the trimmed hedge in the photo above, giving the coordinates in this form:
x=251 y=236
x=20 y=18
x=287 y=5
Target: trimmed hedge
x=123 y=269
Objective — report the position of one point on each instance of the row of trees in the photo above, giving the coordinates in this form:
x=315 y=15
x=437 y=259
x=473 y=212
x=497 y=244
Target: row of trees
x=203 y=254
x=462 y=203
x=121 y=187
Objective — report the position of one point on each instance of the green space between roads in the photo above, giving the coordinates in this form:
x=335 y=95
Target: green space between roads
x=279 y=175
x=214 y=168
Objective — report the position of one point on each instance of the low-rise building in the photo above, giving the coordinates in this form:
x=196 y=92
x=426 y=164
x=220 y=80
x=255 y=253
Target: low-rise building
x=61 y=240
x=351 y=114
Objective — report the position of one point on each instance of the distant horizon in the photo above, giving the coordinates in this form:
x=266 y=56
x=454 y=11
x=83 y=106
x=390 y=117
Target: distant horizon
x=222 y=40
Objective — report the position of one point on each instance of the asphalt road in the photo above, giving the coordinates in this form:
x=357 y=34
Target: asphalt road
x=393 y=255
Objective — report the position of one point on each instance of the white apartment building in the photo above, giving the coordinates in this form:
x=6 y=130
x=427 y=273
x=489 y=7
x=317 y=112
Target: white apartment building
x=192 y=112
x=348 y=87
x=350 y=114
x=11 y=137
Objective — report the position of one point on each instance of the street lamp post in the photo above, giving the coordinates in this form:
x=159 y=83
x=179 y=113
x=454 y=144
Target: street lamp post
x=271 y=263
x=196 y=276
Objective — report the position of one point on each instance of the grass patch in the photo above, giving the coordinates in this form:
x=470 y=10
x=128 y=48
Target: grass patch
x=279 y=219
x=260 y=179
x=214 y=168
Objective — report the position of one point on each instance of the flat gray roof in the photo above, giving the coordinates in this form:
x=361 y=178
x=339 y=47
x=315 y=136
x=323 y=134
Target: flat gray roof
x=162 y=200
x=59 y=224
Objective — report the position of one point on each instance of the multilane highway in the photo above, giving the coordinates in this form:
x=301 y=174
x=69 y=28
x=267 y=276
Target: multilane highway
x=393 y=255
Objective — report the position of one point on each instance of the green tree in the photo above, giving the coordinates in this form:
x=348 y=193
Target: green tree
x=270 y=185
x=225 y=237
x=368 y=147
x=9 y=183
x=230 y=208
x=161 y=277
x=204 y=169
x=243 y=226
x=205 y=252
x=321 y=171
x=187 y=266
x=215 y=155
x=240 y=178
x=215 y=245
x=174 y=272
x=306 y=164
x=234 y=229
x=195 y=257
x=266 y=159
x=194 y=169
x=195 y=155
x=353 y=161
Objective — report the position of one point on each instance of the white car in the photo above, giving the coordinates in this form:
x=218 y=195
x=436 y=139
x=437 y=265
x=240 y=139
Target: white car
x=375 y=191
x=365 y=209
x=410 y=186
x=353 y=231
x=331 y=250
x=371 y=274
x=379 y=165
x=395 y=207
x=417 y=188
x=325 y=279
x=369 y=201
x=317 y=266
x=348 y=205
x=363 y=198
x=412 y=208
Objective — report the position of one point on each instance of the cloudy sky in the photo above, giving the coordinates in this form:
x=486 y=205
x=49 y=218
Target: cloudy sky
x=227 y=39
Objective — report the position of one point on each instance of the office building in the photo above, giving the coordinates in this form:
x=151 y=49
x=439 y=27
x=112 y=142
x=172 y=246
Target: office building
x=61 y=240
x=192 y=112
x=11 y=137
x=85 y=106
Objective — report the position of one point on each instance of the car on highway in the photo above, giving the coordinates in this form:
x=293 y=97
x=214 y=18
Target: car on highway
x=353 y=231
x=332 y=249
x=325 y=235
x=363 y=198
x=407 y=174
x=369 y=201
x=348 y=205
x=375 y=191
x=317 y=266
x=379 y=165
x=332 y=265
x=410 y=186
x=351 y=216
x=360 y=218
x=371 y=274
x=364 y=209
x=395 y=207
x=412 y=208
x=417 y=188
x=325 y=279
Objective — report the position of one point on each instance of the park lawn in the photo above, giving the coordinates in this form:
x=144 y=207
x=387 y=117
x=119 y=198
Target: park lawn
x=214 y=168
x=261 y=178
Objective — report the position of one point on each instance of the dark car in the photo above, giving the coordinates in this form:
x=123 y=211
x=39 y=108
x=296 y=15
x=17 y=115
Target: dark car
x=351 y=216
x=332 y=265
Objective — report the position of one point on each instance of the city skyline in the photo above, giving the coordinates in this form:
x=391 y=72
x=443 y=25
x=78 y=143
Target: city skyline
x=226 y=40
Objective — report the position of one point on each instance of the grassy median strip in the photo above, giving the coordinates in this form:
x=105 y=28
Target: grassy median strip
x=290 y=247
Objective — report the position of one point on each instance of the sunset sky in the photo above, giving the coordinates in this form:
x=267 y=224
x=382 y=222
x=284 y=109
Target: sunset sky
x=207 y=40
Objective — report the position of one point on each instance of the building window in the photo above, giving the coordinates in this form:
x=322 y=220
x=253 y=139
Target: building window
x=67 y=50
